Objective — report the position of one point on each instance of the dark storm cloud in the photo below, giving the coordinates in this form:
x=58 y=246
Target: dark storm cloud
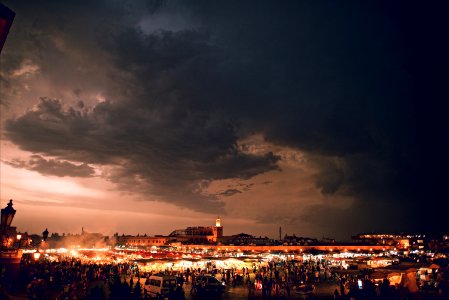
x=165 y=153
x=331 y=175
x=53 y=167
x=62 y=37
x=360 y=81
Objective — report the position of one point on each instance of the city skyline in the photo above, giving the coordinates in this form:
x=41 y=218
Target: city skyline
x=328 y=119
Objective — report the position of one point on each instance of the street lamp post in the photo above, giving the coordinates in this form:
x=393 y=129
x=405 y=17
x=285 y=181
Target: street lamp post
x=7 y=215
x=10 y=255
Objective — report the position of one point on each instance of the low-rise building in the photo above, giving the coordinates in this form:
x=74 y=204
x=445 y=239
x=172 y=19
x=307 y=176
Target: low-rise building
x=198 y=234
x=298 y=240
x=187 y=236
x=244 y=239
x=400 y=241
x=142 y=241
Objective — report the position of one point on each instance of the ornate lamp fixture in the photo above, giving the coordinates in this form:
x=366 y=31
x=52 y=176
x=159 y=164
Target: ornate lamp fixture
x=7 y=215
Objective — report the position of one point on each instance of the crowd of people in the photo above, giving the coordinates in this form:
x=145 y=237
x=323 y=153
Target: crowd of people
x=288 y=279
x=70 y=278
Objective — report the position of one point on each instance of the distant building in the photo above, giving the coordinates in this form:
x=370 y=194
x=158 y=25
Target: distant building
x=198 y=234
x=143 y=241
x=298 y=240
x=244 y=239
x=187 y=236
x=327 y=240
x=401 y=241
x=193 y=235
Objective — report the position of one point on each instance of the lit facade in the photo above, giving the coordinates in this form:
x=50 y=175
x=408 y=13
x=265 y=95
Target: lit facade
x=244 y=239
x=142 y=241
x=401 y=241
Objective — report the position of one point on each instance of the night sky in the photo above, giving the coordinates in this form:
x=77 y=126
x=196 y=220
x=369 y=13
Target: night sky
x=327 y=118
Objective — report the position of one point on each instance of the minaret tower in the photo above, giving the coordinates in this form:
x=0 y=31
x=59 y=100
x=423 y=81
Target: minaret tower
x=218 y=229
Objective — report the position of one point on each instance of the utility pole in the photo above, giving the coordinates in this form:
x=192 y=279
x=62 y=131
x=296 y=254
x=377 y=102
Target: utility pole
x=280 y=233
